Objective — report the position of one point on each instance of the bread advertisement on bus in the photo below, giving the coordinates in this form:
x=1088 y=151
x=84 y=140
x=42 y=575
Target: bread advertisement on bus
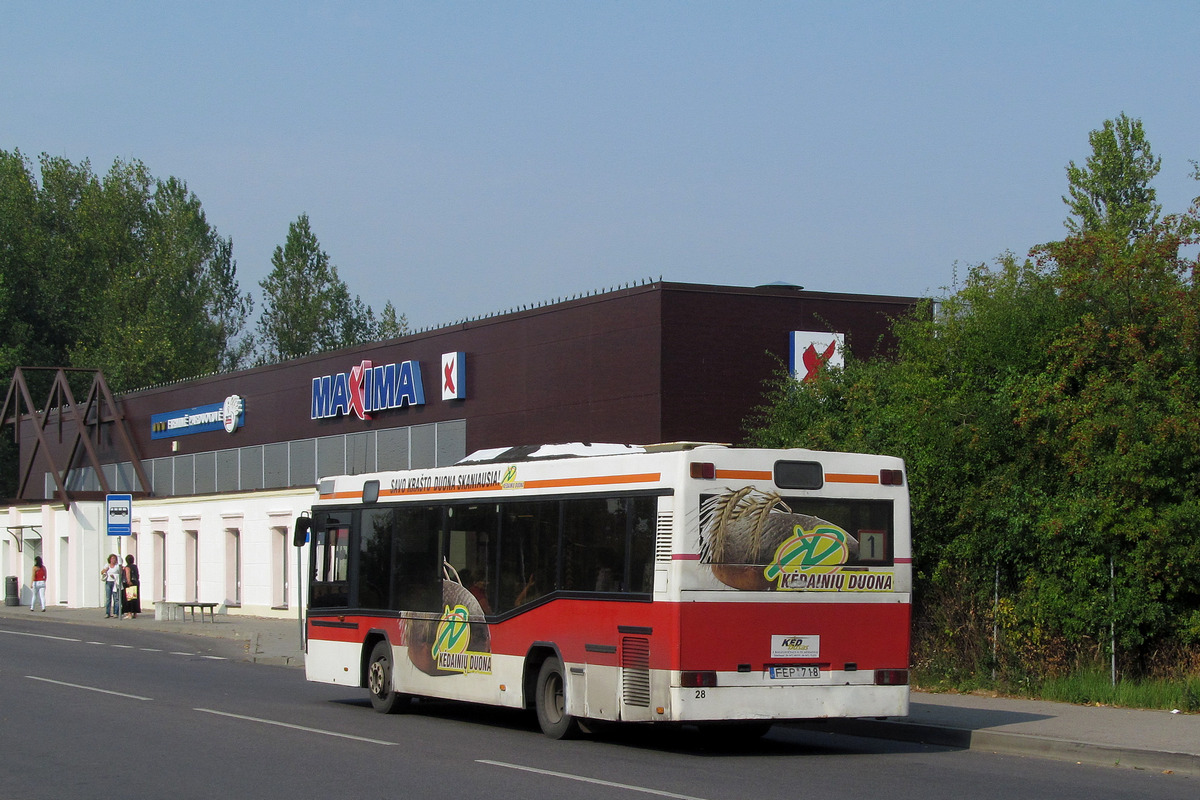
x=753 y=541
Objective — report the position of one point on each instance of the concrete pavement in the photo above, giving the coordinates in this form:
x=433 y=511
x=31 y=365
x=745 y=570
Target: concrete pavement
x=1139 y=739
x=265 y=640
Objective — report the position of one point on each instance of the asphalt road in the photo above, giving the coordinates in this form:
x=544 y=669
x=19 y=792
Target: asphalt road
x=116 y=711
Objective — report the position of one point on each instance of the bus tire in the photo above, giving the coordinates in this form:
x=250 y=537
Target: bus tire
x=384 y=697
x=550 y=700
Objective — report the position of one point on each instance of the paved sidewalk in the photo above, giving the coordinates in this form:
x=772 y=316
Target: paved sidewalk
x=1139 y=739
x=1152 y=740
x=265 y=640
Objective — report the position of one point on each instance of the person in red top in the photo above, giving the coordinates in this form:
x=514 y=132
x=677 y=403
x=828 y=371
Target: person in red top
x=39 y=583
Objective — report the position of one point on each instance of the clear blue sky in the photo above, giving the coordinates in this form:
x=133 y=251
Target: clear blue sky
x=463 y=158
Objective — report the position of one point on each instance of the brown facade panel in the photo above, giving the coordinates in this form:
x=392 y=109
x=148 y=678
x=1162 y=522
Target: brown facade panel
x=660 y=362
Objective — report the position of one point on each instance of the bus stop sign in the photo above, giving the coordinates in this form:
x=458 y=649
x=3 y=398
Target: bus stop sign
x=119 y=508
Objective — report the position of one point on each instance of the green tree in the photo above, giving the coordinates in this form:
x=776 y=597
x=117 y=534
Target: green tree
x=1112 y=190
x=1049 y=414
x=122 y=273
x=307 y=307
x=170 y=305
x=390 y=326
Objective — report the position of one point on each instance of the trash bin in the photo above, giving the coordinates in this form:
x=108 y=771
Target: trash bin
x=12 y=591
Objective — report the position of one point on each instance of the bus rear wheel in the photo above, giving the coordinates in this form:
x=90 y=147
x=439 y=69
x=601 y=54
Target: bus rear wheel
x=384 y=697
x=550 y=698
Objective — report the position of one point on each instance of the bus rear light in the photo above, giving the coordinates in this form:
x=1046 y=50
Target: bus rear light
x=697 y=679
x=891 y=677
x=891 y=477
x=703 y=469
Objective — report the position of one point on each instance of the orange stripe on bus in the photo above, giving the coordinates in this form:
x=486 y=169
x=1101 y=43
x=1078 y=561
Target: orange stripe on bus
x=843 y=477
x=745 y=474
x=607 y=480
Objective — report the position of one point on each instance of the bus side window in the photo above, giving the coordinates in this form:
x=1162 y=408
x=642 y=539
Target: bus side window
x=593 y=544
x=472 y=534
x=528 y=552
x=417 y=568
x=643 y=528
x=377 y=552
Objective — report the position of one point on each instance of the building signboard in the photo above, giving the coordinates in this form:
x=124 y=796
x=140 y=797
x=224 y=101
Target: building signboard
x=366 y=389
x=227 y=416
x=810 y=350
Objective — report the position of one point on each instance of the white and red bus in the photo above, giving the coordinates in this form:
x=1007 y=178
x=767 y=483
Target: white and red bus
x=675 y=583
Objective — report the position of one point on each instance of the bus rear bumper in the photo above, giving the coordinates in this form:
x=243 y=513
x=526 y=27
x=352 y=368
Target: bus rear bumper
x=774 y=703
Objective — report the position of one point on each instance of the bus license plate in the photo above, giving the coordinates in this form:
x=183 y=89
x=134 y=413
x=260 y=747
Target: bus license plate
x=794 y=672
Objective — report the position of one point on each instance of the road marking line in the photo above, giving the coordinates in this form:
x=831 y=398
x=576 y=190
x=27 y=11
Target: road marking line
x=120 y=646
x=87 y=688
x=295 y=727
x=40 y=636
x=582 y=779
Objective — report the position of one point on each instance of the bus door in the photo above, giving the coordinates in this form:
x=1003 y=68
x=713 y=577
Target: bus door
x=329 y=574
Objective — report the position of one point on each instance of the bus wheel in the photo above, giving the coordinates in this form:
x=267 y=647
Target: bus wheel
x=550 y=698
x=384 y=698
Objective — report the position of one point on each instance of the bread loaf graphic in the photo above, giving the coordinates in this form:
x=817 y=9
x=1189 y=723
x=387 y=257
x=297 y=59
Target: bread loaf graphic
x=741 y=530
x=421 y=634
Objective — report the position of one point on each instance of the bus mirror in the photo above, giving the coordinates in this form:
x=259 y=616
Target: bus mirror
x=303 y=529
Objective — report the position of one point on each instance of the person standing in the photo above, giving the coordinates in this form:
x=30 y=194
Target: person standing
x=39 y=583
x=132 y=605
x=111 y=574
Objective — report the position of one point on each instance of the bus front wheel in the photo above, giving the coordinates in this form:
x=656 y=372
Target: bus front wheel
x=384 y=697
x=550 y=698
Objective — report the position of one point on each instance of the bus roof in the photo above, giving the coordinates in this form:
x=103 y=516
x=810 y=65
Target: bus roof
x=534 y=452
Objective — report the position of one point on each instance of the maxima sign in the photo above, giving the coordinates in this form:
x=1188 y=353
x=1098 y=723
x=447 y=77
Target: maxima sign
x=811 y=350
x=366 y=389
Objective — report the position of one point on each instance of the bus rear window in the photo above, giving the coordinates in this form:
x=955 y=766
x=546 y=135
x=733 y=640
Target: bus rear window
x=758 y=541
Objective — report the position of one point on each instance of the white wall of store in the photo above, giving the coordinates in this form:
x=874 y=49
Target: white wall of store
x=189 y=542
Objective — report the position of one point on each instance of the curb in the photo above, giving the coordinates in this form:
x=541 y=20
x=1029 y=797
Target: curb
x=1019 y=744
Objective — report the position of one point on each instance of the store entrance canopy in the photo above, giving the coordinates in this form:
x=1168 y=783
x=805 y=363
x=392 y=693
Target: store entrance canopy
x=22 y=532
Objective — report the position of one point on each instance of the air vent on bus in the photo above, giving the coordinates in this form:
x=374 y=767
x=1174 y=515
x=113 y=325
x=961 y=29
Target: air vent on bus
x=635 y=671
x=662 y=538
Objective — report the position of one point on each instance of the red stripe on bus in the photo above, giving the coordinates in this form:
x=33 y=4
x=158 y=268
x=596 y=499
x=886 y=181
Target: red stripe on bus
x=694 y=636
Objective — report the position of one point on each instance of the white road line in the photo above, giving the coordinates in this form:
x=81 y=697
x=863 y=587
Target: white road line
x=596 y=781
x=181 y=653
x=295 y=727
x=86 y=688
x=40 y=636
x=108 y=644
